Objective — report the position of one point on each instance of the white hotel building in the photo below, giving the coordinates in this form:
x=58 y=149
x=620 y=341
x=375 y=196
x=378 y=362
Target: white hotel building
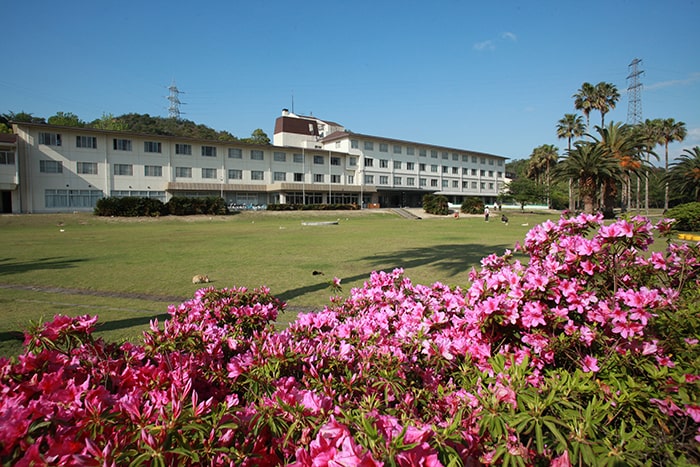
x=47 y=168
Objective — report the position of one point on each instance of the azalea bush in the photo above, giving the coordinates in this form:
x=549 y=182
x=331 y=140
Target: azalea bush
x=585 y=354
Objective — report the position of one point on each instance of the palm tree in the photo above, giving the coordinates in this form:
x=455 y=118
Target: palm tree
x=584 y=100
x=569 y=127
x=622 y=145
x=685 y=173
x=587 y=164
x=539 y=166
x=648 y=132
x=670 y=131
x=606 y=97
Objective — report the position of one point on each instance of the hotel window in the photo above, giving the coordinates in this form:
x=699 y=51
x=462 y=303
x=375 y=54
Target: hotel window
x=483 y=185
x=465 y=185
x=473 y=185
x=50 y=167
x=352 y=161
x=153 y=171
x=257 y=155
x=465 y=158
x=410 y=151
x=209 y=151
x=474 y=159
x=50 y=139
x=445 y=169
x=335 y=178
x=433 y=182
x=410 y=181
x=369 y=162
x=397 y=180
x=123 y=169
x=121 y=144
x=383 y=147
x=433 y=153
x=183 y=172
x=433 y=168
x=318 y=178
x=397 y=165
x=410 y=166
x=482 y=173
x=397 y=149
x=490 y=161
x=279 y=176
x=298 y=158
x=7 y=158
x=86 y=142
x=474 y=172
x=351 y=179
x=354 y=144
x=455 y=156
x=208 y=172
x=383 y=163
x=235 y=153
x=318 y=160
x=369 y=179
x=335 y=160
x=183 y=149
x=455 y=183
x=151 y=146
x=490 y=186
x=422 y=153
x=422 y=182
x=298 y=177
x=235 y=174
x=500 y=162
x=383 y=180
x=490 y=173
x=455 y=171
x=87 y=168
x=421 y=167
x=445 y=183
x=279 y=156
x=445 y=155
x=369 y=145
x=257 y=175
x=499 y=174
x=483 y=160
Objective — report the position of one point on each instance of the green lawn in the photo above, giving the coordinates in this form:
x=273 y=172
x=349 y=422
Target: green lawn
x=129 y=270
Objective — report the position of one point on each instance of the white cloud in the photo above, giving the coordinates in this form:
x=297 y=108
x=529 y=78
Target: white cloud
x=674 y=82
x=509 y=36
x=485 y=45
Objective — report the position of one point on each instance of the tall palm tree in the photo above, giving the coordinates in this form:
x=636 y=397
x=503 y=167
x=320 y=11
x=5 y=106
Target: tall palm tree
x=540 y=164
x=648 y=132
x=685 y=173
x=669 y=131
x=606 y=97
x=584 y=100
x=569 y=127
x=587 y=164
x=622 y=145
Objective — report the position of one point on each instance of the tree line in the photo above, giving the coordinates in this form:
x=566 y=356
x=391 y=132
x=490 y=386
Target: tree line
x=136 y=123
x=610 y=166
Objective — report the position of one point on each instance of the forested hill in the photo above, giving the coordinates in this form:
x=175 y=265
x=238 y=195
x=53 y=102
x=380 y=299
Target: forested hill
x=136 y=123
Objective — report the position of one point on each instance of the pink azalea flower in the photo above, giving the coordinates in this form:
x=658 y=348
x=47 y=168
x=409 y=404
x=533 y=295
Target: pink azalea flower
x=590 y=364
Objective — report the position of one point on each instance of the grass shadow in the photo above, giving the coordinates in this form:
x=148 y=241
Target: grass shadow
x=8 y=266
x=113 y=325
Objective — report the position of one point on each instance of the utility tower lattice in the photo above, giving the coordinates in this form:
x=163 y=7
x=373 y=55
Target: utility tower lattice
x=634 y=93
x=174 y=107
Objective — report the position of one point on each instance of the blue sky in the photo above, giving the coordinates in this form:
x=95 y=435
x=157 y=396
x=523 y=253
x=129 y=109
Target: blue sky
x=487 y=76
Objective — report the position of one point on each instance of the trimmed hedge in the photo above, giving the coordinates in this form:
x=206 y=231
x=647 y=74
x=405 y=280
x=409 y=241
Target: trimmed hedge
x=686 y=216
x=312 y=207
x=132 y=206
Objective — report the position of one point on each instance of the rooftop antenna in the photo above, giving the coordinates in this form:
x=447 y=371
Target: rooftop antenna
x=292 y=101
x=174 y=107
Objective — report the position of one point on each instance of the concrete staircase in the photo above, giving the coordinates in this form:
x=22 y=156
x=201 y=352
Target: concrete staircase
x=404 y=213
